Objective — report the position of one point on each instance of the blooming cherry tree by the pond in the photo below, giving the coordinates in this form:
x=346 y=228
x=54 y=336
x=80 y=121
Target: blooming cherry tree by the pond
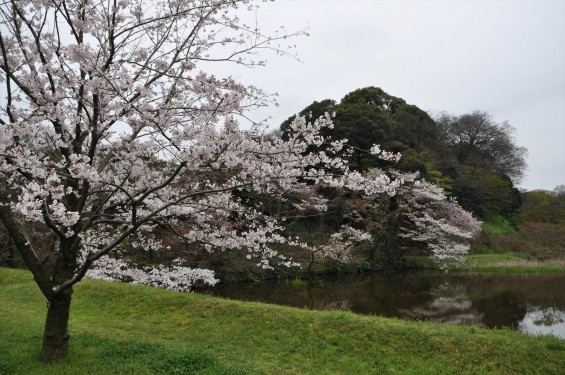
x=438 y=222
x=108 y=130
x=417 y=215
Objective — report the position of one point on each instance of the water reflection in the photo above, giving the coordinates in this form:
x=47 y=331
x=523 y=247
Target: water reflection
x=449 y=304
x=543 y=321
x=531 y=303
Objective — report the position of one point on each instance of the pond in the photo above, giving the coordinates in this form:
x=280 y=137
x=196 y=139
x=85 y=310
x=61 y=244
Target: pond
x=532 y=303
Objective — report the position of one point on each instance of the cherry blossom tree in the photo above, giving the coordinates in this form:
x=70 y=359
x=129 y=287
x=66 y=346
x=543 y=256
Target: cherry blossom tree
x=109 y=130
x=437 y=222
x=419 y=216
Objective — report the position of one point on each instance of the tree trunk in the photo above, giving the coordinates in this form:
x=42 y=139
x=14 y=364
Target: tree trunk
x=56 y=335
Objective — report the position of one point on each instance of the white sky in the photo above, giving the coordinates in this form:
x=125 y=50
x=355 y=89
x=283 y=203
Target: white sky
x=504 y=57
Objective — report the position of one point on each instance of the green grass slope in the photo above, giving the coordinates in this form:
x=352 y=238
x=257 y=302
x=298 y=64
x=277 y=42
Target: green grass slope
x=498 y=225
x=126 y=329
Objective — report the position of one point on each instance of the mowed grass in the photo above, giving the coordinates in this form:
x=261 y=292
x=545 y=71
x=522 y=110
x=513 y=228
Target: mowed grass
x=127 y=329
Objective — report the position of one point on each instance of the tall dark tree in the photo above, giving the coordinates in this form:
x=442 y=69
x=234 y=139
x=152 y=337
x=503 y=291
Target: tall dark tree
x=376 y=98
x=363 y=117
x=416 y=129
x=480 y=142
x=362 y=125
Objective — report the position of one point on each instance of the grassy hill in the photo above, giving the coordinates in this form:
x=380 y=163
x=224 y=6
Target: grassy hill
x=127 y=329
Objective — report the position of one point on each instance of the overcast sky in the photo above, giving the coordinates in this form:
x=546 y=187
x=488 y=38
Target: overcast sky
x=504 y=57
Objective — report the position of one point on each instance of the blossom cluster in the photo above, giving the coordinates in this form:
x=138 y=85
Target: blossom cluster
x=340 y=243
x=174 y=277
x=436 y=221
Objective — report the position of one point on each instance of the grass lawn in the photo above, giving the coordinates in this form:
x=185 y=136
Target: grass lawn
x=127 y=329
x=510 y=262
x=497 y=262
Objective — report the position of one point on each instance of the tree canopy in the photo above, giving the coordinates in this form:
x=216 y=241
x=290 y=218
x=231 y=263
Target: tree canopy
x=364 y=117
x=480 y=142
x=470 y=156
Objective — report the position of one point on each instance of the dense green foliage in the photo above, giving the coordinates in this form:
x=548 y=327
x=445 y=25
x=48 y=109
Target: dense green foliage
x=540 y=224
x=485 y=193
x=472 y=157
x=127 y=329
x=543 y=206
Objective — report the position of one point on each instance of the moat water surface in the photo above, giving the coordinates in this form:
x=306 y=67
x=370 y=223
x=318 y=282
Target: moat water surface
x=532 y=303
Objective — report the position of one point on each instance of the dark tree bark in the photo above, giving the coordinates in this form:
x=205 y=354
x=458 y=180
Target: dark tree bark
x=55 y=335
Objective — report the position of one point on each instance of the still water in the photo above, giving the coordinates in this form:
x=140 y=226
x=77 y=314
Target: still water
x=532 y=303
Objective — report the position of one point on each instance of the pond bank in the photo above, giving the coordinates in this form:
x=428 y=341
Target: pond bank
x=531 y=303
x=121 y=328
x=509 y=262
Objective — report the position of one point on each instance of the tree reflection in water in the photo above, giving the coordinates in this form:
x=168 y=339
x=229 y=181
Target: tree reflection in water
x=532 y=303
x=449 y=304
